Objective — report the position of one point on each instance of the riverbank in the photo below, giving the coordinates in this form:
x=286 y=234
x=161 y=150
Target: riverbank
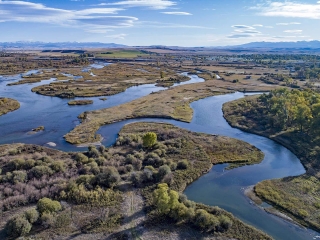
x=185 y=155
x=297 y=197
x=8 y=105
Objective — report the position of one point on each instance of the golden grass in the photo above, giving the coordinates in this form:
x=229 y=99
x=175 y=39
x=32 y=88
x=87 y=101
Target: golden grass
x=8 y=105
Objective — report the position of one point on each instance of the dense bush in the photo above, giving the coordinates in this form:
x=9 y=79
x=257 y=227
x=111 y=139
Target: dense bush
x=182 y=164
x=31 y=215
x=169 y=203
x=109 y=177
x=46 y=205
x=17 y=227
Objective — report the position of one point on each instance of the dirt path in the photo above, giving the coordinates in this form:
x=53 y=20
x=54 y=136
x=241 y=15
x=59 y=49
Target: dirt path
x=134 y=215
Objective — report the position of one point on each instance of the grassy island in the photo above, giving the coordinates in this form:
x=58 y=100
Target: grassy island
x=290 y=117
x=173 y=104
x=80 y=102
x=8 y=105
x=130 y=190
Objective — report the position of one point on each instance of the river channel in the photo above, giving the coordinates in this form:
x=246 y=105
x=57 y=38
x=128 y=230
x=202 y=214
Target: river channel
x=219 y=187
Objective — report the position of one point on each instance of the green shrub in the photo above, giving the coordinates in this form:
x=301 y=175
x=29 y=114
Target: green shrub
x=129 y=168
x=58 y=166
x=303 y=213
x=205 y=220
x=225 y=222
x=47 y=219
x=16 y=164
x=19 y=176
x=163 y=171
x=149 y=139
x=63 y=220
x=89 y=181
x=17 y=227
x=183 y=164
x=31 y=215
x=46 y=205
x=30 y=163
x=93 y=152
x=81 y=158
x=109 y=177
x=40 y=171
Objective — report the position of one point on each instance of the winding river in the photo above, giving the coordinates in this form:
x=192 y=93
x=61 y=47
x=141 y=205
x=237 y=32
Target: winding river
x=219 y=187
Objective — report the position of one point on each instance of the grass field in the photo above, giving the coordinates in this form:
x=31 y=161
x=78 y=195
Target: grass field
x=121 y=54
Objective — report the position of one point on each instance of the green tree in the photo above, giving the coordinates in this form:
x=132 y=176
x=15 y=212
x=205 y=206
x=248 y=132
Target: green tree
x=161 y=198
x=149 y=139
x=303 y=115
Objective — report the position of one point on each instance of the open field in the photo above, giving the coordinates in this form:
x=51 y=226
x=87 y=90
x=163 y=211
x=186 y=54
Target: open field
x=8 y=105
x=123 y=206
x=121 y=54
x=297 y=197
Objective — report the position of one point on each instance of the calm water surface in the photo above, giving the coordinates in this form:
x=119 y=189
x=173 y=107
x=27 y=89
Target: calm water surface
x=218 y=187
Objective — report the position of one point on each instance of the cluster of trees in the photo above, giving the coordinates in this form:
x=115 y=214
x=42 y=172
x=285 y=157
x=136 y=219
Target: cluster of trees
x=169 y=203
x=44 y=215
x=293 y=109
x=309 y=73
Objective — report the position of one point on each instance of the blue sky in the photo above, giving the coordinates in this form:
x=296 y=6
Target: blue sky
x=160 y=22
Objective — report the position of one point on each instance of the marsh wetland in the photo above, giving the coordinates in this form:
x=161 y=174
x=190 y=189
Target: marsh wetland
x=185 y=112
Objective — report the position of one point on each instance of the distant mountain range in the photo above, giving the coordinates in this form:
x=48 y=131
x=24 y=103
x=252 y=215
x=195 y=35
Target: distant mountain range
x=58 y=45
x=281 y=45
x=304 y=45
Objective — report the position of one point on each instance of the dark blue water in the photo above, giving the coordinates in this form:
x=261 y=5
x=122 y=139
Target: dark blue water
x=218 y=187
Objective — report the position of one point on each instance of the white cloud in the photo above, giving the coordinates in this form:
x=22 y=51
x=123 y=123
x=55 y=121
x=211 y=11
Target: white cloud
x=153 y=4
x=240 y=36
x=293 y=31
x=177 y=13
x=242 y=27
x=120 y=36
x=289 y=9
x=257 y=25
x=21 y=11
x=244 y=31
x=288 y=23
x=151 y=24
